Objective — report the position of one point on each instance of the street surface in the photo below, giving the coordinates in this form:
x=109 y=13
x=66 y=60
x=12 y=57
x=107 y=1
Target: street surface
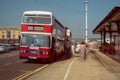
x=11 y=66
x=76 y=69
x=97 y=66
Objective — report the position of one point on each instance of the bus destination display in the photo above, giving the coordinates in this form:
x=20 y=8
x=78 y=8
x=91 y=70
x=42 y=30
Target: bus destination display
x=36 y=28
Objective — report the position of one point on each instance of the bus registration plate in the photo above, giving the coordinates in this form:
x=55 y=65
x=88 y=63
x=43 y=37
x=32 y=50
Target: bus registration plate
x=31 y=57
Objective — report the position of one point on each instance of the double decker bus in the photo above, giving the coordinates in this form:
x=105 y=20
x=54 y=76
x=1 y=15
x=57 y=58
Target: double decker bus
x=42 y=36
x=68 y=42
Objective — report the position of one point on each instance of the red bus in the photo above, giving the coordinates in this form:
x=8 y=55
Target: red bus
x=68 y=42
x=42 y=36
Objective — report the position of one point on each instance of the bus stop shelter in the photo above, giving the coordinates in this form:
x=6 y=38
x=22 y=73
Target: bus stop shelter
x=109 y=30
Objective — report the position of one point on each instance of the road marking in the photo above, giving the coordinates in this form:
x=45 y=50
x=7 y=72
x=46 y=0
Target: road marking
x=18 y=78
x=68 y=70
x=30 y=73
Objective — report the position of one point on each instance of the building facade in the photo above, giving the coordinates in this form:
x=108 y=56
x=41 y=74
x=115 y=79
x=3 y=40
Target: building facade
x=9 y=34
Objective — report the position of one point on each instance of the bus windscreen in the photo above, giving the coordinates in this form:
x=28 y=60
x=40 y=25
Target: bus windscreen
x=35 y=40
x=37 y=19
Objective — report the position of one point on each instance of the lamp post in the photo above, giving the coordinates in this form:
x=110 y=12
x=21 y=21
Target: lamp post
x=86 y=21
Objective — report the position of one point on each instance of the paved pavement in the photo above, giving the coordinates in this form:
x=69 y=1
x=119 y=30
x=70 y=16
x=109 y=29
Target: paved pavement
x=78 y=69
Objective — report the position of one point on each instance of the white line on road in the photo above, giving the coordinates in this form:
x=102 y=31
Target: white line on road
x=68 y=70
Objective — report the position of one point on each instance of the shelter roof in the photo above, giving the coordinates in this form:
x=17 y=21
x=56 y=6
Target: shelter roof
x=113 y=16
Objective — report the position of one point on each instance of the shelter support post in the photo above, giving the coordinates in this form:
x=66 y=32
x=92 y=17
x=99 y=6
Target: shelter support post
x=111 y=48
x=104 y=35
x=101 y=48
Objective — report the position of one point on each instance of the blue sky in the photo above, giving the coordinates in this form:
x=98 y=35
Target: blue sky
x=69 y=12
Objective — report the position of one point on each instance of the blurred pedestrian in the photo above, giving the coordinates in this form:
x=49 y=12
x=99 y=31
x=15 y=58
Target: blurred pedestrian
x=73 y=47
x=83 y=50
x=77 y=49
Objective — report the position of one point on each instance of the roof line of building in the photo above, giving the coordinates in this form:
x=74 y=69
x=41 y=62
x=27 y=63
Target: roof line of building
x=108 y=17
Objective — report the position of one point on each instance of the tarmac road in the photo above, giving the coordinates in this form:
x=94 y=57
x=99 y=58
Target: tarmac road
x=11 y=66
x=97 y=66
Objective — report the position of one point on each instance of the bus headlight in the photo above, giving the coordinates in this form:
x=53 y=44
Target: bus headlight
x=23 y=51
x=46 y=53
x=43 y=52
